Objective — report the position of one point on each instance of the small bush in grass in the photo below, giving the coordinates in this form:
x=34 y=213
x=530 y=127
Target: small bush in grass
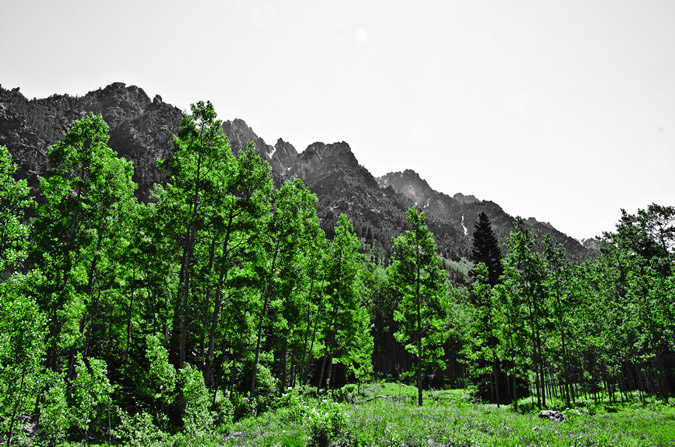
x=325 y=424
x=348 y=393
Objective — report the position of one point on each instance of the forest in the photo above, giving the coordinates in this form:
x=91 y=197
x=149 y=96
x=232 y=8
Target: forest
x=221 y=300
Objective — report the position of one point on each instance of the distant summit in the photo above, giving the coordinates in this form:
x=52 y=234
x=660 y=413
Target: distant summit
x=141 y=130
x=465 y=200
x=409 y=185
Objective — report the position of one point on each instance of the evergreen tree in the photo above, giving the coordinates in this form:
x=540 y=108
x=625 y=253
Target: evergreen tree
x=485 y=248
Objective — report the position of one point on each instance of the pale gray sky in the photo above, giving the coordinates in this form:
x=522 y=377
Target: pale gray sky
x=561 y=110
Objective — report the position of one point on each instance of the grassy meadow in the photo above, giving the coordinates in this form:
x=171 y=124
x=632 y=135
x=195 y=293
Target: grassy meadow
x=385 y=414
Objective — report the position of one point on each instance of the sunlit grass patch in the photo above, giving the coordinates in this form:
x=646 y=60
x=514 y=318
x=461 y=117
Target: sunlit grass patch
x=386 y=414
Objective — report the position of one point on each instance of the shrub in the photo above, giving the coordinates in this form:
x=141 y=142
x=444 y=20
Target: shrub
x=54 y=420
x=348 y=393
x=325 y=426
x=197 y=418
x=139 y=430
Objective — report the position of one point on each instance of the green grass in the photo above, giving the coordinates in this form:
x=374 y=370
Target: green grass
x=386 y=415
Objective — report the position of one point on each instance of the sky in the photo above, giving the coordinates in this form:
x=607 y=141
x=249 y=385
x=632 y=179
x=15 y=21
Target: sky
x=560 y=110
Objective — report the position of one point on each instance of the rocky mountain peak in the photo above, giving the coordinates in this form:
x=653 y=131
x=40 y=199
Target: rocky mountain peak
x=532 y=222
x=338 y=153
x=465 y=200
x=408 y=184
x=239 y=134
x=141 y=130
x=284 y=154
x=592 y=244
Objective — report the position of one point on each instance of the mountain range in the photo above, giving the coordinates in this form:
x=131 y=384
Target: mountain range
x=141 y=130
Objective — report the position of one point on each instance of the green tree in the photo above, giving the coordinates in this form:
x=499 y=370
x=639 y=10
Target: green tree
x=643 y=249
x=293 y=213
x=90 y=392
x=417 y=274
x=88 y=194
x=14 y=202
x=200 y=169
x=22 y=324
x=557 y=277
x=487 y=257
x=346 y=323
x=525 y=278
x=239 y=223
x=483 y=345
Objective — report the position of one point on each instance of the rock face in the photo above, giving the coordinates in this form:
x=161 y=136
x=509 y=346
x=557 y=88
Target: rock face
x=141 y=130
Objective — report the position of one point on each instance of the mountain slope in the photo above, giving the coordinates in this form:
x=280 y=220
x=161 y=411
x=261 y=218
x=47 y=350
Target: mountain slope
x=141 y=130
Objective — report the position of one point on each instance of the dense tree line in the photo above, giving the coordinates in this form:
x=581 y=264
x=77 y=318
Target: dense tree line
x=207 y=302
x=600 y=328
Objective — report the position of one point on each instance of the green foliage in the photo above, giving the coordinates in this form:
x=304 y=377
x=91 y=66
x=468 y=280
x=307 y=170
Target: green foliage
x=54 y=411
x=197 y=417
x=347 y=336
x=139 y=430
x=213 y=301
x=161 y=376
x=325 y=426
x=90 y=395
x=417 y=275
x=14 y=202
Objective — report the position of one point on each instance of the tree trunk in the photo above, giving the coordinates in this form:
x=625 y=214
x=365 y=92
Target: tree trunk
x=207 y=304
x=495 y=371
x=19 y=398
x=261 y=323
x=266 y=292
x=419 y=339
x=323 y=367
x=216 y=306
x=129 y=312
x=185 y=272
x=284 y=362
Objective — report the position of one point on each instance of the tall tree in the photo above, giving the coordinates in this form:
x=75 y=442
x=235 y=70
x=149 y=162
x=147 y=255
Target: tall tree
x=417 y=274
x=644 y=247
x=22 y=324
x=293 y=213
x=240 y=220
x=485 y=248
x=487 y=257
x=88 y=192
x=200 y=169
x=346 y=334
x=557 y=271
x=482 y=348
x=524 y=276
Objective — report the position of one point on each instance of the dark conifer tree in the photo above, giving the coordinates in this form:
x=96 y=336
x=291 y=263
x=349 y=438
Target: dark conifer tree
x=485 y=248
